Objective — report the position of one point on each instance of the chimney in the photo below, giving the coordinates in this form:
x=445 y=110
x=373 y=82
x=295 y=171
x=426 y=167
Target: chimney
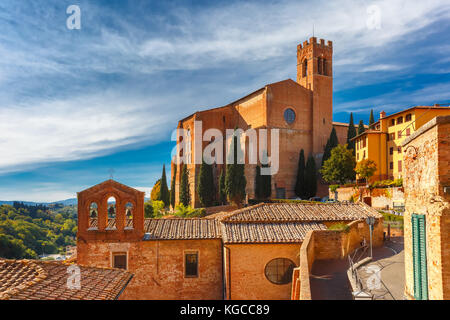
x=382 y=114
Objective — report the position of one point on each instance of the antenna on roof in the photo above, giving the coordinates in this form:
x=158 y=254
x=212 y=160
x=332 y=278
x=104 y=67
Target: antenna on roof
x=313 y=29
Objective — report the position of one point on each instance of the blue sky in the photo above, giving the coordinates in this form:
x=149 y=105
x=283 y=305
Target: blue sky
x=76 y=103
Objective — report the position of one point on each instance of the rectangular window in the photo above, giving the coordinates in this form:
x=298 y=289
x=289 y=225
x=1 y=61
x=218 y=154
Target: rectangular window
x=391 y=150
x=399 y=134
x=393 y=122
x=408 y=117
x=399 y=120
x=364 y=154
x=364 y=142
x=400 y=166
x=408 y=132
x=399 y=149
x=391 y=165
x=191 y=264
x=392 y=138
x=357 y=156
x=120 y=260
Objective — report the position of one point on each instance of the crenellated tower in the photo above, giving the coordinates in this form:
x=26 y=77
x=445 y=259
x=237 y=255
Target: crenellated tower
x=315 y=73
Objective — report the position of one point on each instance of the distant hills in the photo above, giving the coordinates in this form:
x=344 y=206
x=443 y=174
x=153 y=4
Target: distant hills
x=67 y=202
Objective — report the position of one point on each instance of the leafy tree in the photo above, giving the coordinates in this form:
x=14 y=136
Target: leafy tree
x=148 y=209
x=172 y=187
x=351 y=133
x=331 y=144
x=164 y=191
x=311 y=177
x=371 y=119
x=222 y=191
x=185 y=197
x=188 y=212
x=235 y=180
x=366 y=168
x=340 y=166
x=361 y=128
x=300 y=184
x=205 y=187
x=156 y=191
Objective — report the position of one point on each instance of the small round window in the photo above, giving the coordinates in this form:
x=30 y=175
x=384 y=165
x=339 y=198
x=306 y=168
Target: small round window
x=279 y=271
x=289 y=115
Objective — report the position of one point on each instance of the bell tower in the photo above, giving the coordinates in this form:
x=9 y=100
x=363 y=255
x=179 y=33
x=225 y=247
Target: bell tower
x=315 y=73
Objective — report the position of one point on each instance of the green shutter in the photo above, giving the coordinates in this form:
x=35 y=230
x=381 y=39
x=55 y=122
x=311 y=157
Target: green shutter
x=419 y=257
x=423 y=258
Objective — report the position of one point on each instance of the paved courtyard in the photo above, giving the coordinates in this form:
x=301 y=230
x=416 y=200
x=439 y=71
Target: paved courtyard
x=384 y=276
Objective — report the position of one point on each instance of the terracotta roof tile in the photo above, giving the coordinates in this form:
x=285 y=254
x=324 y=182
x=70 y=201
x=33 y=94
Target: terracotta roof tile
x=289 y=232
x=37 y=280
x=299 y=212
x=179 y=228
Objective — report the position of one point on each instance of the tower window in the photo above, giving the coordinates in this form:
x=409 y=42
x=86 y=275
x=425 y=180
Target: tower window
x=319 y=65
x=305 y=67
x=289 y=115
x=325 y=66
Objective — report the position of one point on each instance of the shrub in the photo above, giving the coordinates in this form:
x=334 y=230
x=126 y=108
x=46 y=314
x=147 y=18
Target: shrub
x=334 y=187
x=340 y=226
x=183 y=211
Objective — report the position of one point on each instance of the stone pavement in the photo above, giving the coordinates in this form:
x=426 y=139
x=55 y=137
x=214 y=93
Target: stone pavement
x=384 y=276
x=329 y=280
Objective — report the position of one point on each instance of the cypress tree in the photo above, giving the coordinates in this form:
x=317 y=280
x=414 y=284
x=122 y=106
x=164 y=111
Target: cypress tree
x=331 y=144
x=361 y=128
x=164 y=193
x=311 y=177
x=222 y=192
x=172 y=187
x=371 y=119
x=235 y=180
x=300 y=184
x=351 y=133
x=258 y=183
x=185 y=197
x=266 y=189
x=263 y=183
x=205 y=187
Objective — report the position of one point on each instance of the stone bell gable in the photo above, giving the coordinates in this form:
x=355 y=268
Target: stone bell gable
x=95 y=213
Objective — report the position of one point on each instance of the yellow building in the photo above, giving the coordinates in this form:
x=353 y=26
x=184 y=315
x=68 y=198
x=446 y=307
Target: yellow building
x=382 y=141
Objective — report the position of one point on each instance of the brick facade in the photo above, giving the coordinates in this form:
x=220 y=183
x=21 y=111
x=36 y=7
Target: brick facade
x=427 y=182
x=310 y=97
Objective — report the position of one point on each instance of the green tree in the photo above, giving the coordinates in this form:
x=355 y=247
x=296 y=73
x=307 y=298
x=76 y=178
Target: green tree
x=148 y=209
x=340 y=166
x=263 y=183
x=351 y=133
x=311 y=177
x=185 y=197
x=361 y=128
x=371 y=119
x=300 y=184
x=205 y=187
x=156 y=191
x=366 y=168
x=222 y=191
x=235 y=180
x=172 y=187
x=164 y=192
x=331 y=144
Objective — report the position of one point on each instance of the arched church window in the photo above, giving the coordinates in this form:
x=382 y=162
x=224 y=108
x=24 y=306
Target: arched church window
x=129 y=215
x=289 y=115
x=111 y=213
x=93 y=215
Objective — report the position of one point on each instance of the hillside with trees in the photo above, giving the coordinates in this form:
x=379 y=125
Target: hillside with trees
x=26 y=232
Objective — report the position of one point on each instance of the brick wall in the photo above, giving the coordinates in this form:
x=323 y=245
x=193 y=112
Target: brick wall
x=158 y=267
x=427 y=172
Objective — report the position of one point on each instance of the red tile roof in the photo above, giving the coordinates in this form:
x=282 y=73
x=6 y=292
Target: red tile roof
x=47 y=280
x=298 y=212
x=290 y=232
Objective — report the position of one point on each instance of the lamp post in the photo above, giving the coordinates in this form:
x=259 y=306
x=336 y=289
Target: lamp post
x=370 y=221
